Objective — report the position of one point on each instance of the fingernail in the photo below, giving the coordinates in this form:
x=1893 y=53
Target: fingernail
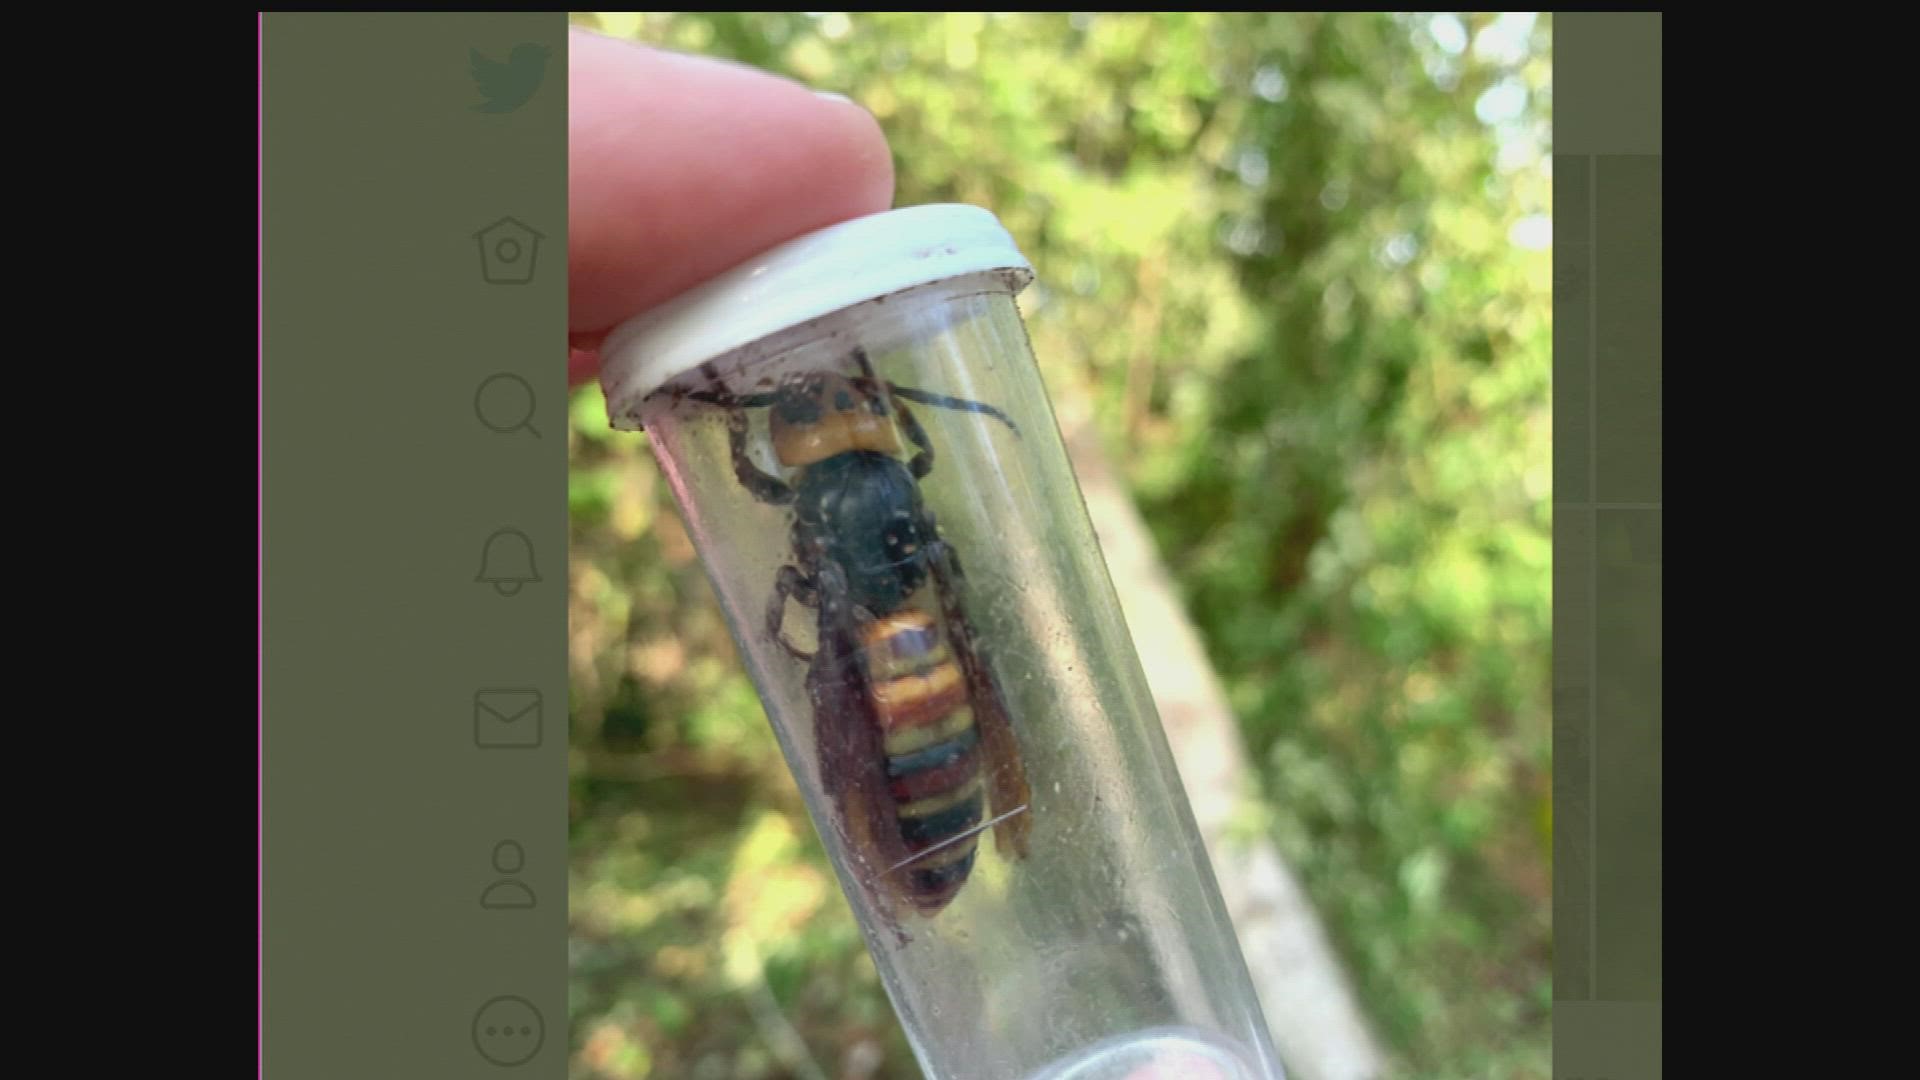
x=842 y=98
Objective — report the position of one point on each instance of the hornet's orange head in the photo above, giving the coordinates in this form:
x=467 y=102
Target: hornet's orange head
x=817 y=415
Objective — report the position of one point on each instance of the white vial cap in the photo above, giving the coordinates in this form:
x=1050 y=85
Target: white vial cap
x=803 y=279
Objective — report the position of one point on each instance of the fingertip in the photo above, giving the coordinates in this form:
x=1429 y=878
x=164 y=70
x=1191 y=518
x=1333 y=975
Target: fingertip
x=583 y=365
x=682 y=167
x=864 y=147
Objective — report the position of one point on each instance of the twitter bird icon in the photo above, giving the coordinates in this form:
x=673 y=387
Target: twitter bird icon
x=512 y=84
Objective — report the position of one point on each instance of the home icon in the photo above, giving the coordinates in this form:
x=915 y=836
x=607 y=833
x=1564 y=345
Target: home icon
x=507 y=251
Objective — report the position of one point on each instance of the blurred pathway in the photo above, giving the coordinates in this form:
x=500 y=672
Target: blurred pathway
x=1317 y=1026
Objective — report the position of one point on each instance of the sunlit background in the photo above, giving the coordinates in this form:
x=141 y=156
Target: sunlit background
x=1294 y=271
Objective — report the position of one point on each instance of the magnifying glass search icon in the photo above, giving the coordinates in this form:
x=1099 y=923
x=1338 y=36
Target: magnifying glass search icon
x=504 y=404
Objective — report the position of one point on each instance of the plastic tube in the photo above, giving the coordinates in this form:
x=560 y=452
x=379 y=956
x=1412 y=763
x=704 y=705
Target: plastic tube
x=858 y=439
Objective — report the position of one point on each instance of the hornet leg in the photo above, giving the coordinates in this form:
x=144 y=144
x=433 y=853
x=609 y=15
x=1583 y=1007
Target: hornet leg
x=790 y=583
x=767 y=489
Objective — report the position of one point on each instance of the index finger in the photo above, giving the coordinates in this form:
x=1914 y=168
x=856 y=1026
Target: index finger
x=681 y=167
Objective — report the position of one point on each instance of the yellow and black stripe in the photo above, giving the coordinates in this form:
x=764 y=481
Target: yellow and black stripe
x=933 y=765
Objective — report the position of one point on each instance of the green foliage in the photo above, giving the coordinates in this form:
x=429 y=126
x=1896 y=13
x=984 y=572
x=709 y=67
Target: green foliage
x=1292 y=268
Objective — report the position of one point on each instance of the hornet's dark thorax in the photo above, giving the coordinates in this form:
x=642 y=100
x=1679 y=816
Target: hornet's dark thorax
x=861 y=511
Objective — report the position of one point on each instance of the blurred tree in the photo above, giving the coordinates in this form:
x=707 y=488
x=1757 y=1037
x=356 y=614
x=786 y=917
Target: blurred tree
x=1294 y=270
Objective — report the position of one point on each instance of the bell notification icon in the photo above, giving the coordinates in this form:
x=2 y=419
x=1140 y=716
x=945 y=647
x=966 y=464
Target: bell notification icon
x=506 y=562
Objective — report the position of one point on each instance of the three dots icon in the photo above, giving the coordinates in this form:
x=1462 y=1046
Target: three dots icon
x=508 y=1030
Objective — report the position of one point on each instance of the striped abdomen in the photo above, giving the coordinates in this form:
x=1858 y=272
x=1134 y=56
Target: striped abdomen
x=933 y=762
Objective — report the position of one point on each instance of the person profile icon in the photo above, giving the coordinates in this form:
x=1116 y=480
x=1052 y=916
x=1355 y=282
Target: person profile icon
x=507 y=893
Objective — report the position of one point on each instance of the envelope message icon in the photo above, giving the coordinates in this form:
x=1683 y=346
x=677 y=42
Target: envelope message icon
x=506 y=719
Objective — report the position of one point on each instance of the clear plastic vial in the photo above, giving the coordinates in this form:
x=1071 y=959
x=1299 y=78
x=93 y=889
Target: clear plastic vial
x=857 y=436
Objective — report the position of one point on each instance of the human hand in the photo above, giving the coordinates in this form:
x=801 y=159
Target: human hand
x=681 y=167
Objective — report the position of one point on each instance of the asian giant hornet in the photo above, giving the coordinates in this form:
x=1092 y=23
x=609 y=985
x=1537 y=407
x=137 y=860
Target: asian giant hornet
x=914 y=735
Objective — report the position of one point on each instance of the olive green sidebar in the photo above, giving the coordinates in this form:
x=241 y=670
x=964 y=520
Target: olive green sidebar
x=1608 y=566
x=415 y=565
